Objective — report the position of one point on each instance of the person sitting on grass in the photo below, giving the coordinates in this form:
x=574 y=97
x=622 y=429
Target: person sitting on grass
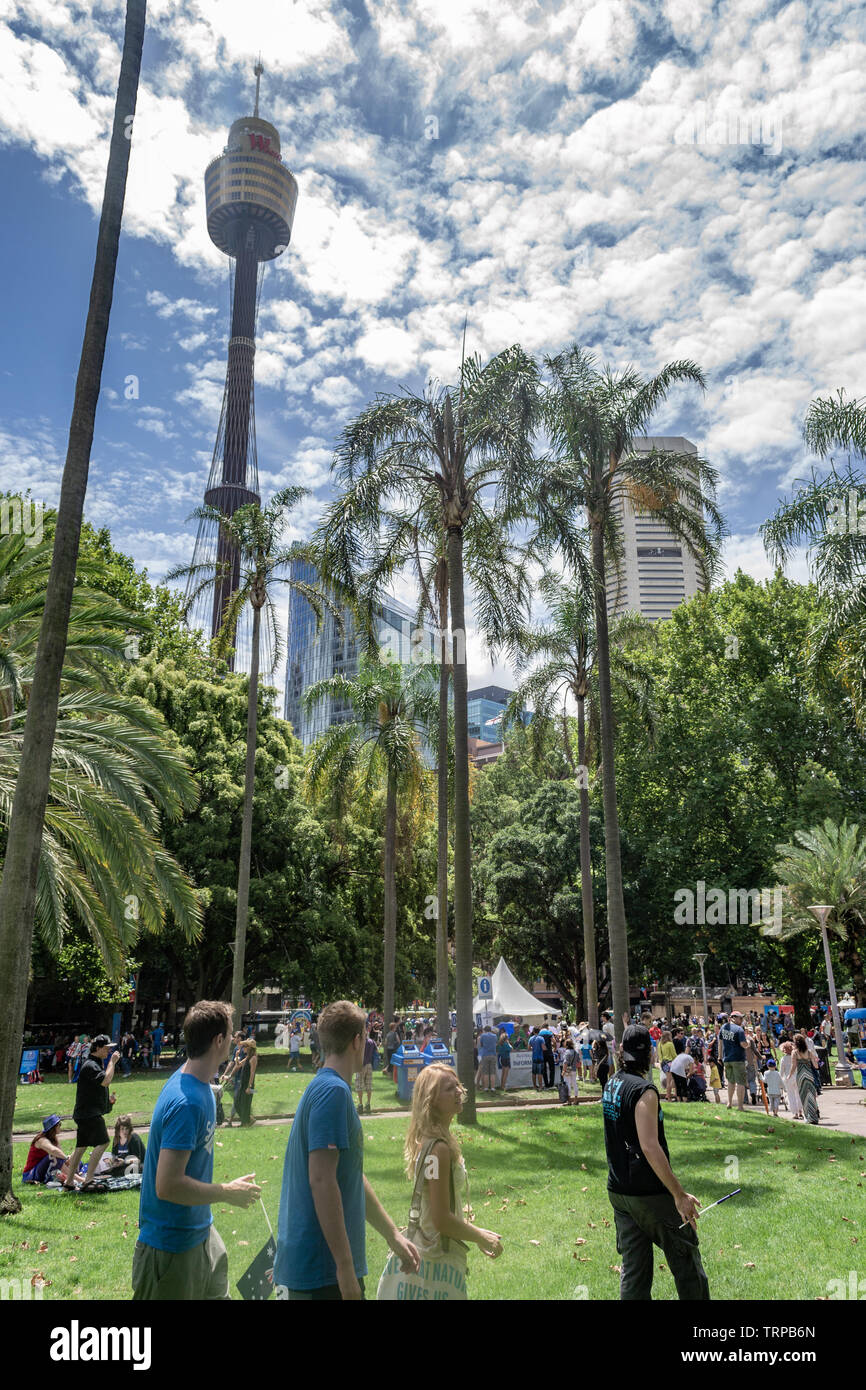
x=127 y=1151
x=46 y=1161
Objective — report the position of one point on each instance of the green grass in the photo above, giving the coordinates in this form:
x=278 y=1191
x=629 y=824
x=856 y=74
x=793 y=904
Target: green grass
x=538 y=1178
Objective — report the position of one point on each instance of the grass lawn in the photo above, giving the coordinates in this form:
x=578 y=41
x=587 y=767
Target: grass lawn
x=538 y=1178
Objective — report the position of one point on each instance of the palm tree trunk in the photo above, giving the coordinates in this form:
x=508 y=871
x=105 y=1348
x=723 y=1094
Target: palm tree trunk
x=462 y=850
x=586 y=875
x=443 y=1019
x=18 y=889
x=616 y=923
x=390 y=933
x=243 y=909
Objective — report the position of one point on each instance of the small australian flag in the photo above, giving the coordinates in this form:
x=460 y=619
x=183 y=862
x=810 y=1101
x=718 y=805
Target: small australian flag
x=254 y=1283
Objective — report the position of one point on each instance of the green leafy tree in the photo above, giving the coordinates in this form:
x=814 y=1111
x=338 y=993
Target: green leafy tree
x=746 y=752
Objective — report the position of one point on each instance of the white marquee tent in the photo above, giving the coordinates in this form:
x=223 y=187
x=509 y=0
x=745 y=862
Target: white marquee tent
x=509 y=998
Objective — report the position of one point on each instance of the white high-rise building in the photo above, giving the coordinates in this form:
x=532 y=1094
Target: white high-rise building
x=656 y=571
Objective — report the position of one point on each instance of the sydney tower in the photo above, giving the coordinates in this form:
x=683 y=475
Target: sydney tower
x=250 y=197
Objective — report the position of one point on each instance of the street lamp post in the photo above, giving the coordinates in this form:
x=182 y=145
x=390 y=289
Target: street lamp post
x=700 y=957
x=843 y=1073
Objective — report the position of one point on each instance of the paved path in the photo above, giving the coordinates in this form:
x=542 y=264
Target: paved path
x=23 y=1137
x=840 y=1109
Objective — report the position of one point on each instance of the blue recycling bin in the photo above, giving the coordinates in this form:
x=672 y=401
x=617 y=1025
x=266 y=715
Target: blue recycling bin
x=860 y=1057
x=436 y=1051
x=408 y=1063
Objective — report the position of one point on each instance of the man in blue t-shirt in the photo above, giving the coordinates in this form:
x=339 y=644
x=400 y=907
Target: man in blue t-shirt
x=537 y=1047
x=179 y=1254
x=325 y=1199
x=486 y=1076
x=733 y=1038
x=157 y=1037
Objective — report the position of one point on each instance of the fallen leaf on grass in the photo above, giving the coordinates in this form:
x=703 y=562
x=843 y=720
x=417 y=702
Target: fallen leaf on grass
x=39 y=1281
x=72 y=1259
x=748 y=1265
x=738 y=1247
x=243 y=1242
x=43 y=1246
x=586 y=1189
x=580 y=1241
x=535 y=1242
x=617 y=1269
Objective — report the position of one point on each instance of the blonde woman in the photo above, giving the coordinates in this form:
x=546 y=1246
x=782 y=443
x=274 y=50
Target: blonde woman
x=436 y=1098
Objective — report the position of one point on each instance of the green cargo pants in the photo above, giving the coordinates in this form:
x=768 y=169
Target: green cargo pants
x=641 y=1223
x=165 y=1275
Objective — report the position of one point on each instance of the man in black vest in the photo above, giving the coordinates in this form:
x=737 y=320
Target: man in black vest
x=649 y=1204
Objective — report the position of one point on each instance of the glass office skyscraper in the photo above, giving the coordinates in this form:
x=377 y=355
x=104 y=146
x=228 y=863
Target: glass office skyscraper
x=312 y=658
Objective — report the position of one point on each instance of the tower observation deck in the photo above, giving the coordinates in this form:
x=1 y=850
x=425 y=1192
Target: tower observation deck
x=250 y=197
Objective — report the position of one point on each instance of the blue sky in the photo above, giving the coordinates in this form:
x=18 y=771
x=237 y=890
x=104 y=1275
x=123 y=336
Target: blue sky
x=655 y=180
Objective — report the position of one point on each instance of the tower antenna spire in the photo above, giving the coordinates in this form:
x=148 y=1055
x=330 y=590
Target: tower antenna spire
x=258 y=70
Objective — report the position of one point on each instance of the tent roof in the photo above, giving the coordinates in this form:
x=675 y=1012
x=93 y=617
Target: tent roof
x=509 y=997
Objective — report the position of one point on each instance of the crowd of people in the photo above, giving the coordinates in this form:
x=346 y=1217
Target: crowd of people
x=62 y=1052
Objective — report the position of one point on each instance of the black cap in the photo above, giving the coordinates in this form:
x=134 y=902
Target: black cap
x=636 y=1043
x=101 y=1040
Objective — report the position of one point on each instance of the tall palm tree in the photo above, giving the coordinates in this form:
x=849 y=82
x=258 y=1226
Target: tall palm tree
x=493 y=560
x=18 y=889
x=440 y=451
x=566 y=646
x=826 y=513
x=254 y=536
x=592 y=417
x=392 y=705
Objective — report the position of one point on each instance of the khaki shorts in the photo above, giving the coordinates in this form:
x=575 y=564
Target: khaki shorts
x=487 y=1068
x=365 y=1078
x=169 y=1276
x=735 y=1073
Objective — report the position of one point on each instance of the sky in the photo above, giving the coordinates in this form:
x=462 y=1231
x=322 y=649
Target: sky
x=654 y=179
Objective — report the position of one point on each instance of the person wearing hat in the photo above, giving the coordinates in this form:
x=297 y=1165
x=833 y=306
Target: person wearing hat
x=92 y=1103
x=649 y=1203
x=45 y=1159
x=734 y=1043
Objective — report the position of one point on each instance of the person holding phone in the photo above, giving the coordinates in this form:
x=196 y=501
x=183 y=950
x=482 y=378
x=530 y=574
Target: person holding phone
x=93 y=1100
